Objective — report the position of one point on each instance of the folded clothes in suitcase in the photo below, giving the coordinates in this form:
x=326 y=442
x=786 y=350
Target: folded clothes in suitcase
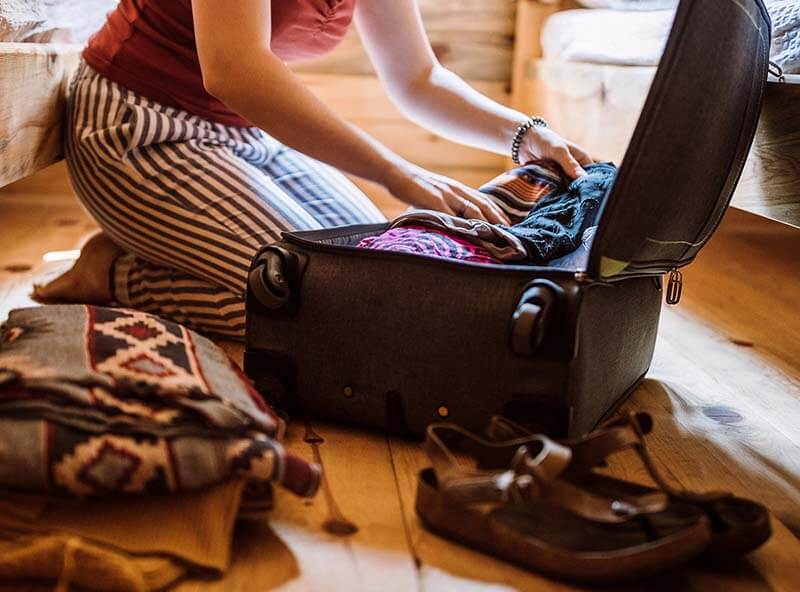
x=396 y=340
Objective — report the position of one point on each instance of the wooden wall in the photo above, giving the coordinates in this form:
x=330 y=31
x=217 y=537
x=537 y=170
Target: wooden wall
x=474 y=38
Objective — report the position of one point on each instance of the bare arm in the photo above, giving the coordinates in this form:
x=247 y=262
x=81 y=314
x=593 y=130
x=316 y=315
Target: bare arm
x=238 y=67
x=436 y=98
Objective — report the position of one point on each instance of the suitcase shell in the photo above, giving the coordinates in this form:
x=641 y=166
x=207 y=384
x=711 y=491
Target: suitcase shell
x=396 y=341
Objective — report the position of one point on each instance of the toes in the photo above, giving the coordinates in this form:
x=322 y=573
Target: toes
x=61 y=289
x=44 y=292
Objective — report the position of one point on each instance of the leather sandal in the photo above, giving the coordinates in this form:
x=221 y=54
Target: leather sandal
x=737 y=525
x=516 y=504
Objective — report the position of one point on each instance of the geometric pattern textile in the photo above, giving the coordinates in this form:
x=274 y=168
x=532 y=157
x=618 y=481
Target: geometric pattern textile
x=100 y=401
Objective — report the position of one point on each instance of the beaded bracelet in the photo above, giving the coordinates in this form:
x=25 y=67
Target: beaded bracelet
x=520 y=133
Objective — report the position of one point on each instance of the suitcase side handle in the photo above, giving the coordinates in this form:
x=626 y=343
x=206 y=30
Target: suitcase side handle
x=531 y=316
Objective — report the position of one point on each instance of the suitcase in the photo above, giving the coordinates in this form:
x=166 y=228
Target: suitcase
x=395 y=341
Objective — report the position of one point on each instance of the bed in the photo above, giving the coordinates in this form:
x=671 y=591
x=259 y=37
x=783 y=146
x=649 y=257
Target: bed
x=588 y=71
x=33 y=80
x=40 y=44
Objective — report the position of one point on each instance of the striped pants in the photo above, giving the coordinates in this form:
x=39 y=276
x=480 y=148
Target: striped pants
x=191 y=201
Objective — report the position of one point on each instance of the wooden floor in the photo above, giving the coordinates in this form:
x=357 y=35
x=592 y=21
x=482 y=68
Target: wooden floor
x=724 y=390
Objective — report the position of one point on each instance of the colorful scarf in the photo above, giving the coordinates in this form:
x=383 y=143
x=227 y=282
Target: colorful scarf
x=97 y=401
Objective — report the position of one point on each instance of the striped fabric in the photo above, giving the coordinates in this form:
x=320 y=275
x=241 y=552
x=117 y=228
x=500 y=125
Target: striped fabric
x=191 y=200
x=517 y=191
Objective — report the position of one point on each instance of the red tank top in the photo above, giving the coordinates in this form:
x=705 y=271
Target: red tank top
x=148 y=46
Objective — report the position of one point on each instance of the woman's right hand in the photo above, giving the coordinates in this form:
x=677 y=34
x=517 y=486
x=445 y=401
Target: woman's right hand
x=426 y=190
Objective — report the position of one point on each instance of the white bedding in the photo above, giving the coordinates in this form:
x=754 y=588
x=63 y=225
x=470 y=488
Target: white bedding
x=18 y=18
x=785 y=34
x=44 y=21
x=602 y=36
x=637 y=38
x=629 y=4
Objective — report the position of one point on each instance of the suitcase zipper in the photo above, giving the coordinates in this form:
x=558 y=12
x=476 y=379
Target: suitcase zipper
x=776 y=71
x=581 y=276
x=312 y=245
x=674 y=286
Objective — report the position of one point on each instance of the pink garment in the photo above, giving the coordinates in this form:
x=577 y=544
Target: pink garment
x=428 y=241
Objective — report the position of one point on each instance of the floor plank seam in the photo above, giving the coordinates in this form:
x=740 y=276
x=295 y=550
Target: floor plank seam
x=406 y=526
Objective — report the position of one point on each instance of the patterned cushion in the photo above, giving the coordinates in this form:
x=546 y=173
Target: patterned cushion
x=97 y=401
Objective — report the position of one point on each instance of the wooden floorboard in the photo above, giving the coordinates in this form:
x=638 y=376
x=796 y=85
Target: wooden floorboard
x=299 y=550
x=724 y=390
x=31 y=225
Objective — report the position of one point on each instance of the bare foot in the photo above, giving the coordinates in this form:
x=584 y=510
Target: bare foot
x=87 y=282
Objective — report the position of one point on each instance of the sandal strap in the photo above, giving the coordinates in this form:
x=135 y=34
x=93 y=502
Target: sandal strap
x=588 y=452
x=615 y=435
x=502 y=428
x=628 y=432
x=579 y=501
x=592 y=450
x=533 y=472
x=491 y=457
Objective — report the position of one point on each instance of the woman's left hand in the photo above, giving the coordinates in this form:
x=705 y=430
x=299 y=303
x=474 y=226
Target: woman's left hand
x=542 y=143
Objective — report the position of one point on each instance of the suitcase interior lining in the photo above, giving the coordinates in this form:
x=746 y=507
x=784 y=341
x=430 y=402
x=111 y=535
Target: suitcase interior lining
x=351 y=240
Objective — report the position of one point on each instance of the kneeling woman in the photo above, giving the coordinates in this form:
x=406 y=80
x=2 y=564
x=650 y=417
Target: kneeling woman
x=192 y=144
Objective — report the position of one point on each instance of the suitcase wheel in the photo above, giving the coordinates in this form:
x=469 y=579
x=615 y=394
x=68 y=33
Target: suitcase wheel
x=529 y=322
x=268 y=280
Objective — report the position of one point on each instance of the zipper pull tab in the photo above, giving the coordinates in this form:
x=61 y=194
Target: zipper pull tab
x=776 y=71
x=674 y=287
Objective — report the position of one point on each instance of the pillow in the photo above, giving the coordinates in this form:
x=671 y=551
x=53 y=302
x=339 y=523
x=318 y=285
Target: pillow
x=20 y=18
x=46 y=21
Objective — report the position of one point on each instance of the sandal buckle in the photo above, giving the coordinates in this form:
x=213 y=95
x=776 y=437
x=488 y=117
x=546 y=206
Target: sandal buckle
x=623 y=509
x=520 y=488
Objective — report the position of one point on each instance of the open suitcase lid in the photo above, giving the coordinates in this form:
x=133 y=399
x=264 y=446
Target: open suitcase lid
x=690 y=143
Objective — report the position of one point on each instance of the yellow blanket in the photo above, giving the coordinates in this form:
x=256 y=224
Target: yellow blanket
x=136 y=543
